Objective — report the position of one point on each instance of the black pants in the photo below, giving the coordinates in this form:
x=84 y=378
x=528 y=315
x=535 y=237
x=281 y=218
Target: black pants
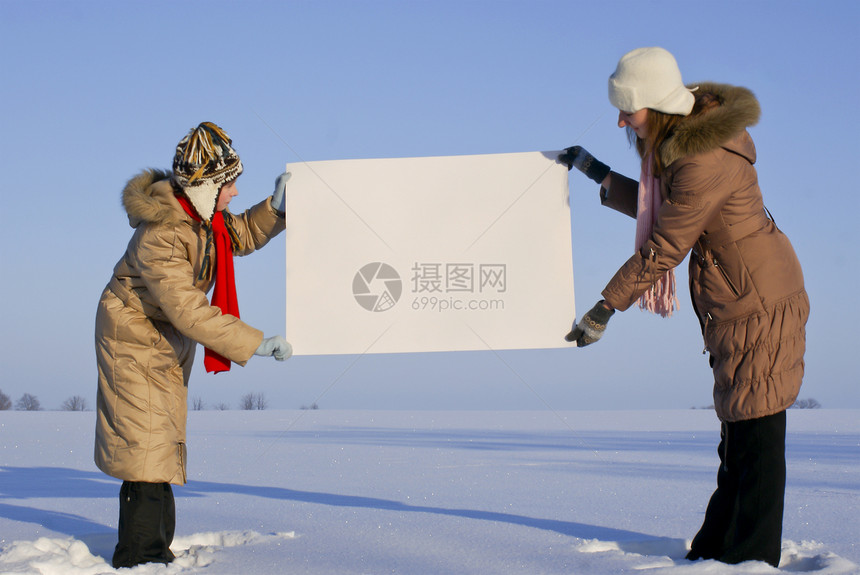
x=147 y=519
x=744 y=517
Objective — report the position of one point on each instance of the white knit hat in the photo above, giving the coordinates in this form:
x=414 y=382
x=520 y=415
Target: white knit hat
x=649 y=78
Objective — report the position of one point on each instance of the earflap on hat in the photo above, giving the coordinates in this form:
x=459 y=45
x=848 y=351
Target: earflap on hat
x=204 y=161
x=204 y=198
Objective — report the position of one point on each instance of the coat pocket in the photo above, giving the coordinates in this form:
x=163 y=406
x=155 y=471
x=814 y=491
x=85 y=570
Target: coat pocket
x=725 y=274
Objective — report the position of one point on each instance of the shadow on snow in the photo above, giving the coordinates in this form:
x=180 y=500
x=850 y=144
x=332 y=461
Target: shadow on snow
x=58 y=482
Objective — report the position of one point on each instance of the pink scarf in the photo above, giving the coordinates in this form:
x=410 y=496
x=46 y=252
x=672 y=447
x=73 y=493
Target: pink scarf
x=661 y=297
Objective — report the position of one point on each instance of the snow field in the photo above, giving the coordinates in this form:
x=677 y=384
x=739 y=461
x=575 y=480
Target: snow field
x=355 y=492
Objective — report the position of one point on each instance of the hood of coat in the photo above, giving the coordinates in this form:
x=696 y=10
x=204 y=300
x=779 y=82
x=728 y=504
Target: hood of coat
x=723 y=126
x=148 y=197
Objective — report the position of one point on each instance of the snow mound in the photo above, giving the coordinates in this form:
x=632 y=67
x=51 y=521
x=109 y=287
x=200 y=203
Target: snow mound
x=70 y=556
x=807 y=557
x=46 y=556
x=667 y=556
x=226 y=539
x=659 y=556
x=662 y=546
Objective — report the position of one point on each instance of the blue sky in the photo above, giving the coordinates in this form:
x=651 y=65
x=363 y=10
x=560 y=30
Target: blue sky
x=93 y=92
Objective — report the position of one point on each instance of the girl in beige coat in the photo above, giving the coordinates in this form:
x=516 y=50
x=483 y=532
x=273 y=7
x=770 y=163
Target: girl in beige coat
x=698 y=194
x=154 y=312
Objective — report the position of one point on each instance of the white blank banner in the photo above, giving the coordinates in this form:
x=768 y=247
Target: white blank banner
x=428 y=254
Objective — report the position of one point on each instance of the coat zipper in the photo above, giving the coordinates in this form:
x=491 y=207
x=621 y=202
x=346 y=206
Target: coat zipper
x=726 y=277
x=182 y=456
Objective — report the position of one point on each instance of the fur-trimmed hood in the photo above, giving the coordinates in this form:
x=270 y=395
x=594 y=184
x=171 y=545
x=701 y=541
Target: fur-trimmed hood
x=148 y=197
x=718 y=127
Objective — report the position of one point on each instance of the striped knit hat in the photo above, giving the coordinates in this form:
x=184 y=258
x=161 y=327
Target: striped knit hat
x=204 y=162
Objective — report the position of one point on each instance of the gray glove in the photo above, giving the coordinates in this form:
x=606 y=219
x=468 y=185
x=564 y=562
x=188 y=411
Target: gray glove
x=592 y=325
x=279 y=196
x=276 y=346
x=579 y=158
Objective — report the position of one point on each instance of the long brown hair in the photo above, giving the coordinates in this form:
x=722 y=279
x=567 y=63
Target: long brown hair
x=660 y=127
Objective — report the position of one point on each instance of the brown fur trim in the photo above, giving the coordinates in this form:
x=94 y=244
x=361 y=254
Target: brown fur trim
x=707 y=131
x=148 y=197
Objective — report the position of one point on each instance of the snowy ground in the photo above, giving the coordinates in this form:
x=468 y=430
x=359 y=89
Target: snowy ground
x=414 y=493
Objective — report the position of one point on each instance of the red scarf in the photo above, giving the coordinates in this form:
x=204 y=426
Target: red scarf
x=224 y=294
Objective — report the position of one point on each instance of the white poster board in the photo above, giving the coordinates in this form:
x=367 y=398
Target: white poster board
x=428 y=254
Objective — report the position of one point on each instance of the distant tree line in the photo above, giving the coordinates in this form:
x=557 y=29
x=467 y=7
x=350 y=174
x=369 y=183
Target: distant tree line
x=806 y=404
x=799 y=404
x=29 y=402
x=248 y=402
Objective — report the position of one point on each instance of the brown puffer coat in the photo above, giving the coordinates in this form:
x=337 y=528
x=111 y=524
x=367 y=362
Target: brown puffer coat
x=745 y=280
x=150 y=317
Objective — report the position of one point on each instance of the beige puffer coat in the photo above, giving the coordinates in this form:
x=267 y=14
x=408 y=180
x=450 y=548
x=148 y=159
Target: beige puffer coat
x=150 y=317
x=745 y=280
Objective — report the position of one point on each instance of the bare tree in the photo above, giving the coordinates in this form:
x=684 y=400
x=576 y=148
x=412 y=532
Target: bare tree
x=311 y=406
x=197 y=404
x=28 y=403
x=253 y=401
x=74 y=403
x=5 y=402
x=806 y=404
x=222 y=406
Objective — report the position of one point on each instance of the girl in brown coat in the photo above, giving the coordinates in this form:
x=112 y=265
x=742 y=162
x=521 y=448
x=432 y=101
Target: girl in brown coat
x=698 y=194
x=152 y=314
